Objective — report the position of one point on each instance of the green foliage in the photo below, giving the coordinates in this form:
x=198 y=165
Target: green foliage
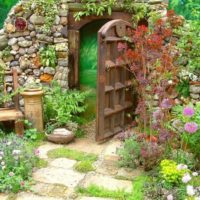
x=170 y=173
x=183 y=88
x=17 y=162
x=130 y=153
x=41 y=163
x=189 y=45
x=80 y=133
x=71 y=154
x=46 y=8
x=61 y=107
x=96 y=191
x=84 y=166
x=30 y=133
x=190 y=9
x=48 y=56
x=91 y=7
x=5 y=7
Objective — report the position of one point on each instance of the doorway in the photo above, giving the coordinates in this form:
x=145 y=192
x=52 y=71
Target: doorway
x=88 y=64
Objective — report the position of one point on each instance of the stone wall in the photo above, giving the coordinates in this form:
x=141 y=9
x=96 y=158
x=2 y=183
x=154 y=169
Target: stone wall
x=25 y=45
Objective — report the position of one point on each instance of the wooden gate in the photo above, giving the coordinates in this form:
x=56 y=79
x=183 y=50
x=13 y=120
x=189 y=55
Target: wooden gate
x=114 y=90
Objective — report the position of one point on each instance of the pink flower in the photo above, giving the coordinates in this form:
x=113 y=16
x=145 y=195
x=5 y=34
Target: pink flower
x=186 y=178
x=170 y=197
x=166 y=103
x=188 y=111
x=191 y=127
x=22 y=183
x=37 y=152
x=190 y=190
x=11 y=174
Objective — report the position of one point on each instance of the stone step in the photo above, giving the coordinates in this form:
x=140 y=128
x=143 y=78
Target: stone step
x=107 y=182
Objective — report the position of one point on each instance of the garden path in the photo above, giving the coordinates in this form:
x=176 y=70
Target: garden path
x=59 y=180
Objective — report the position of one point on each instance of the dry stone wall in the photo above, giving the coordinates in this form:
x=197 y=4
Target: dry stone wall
x=24 y=46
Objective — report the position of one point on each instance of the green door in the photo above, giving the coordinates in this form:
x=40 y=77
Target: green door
x=88 y=64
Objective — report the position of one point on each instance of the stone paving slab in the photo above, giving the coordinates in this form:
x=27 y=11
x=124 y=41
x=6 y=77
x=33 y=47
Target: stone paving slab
x=64 y=163
x=106 y=182
x=54 y=175
x=93 y=198
x=30 y=196
x=43 y=150
x=3 y=196
x=51 y=190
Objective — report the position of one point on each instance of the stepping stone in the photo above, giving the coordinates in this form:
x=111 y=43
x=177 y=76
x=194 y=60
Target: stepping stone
x=63 y=163
x=51 y=190
x=54 y=175
x=43 y=150
x=30 y=196
x=128 y=173
x=3 y=196
x=93 y=198
x=106 y=182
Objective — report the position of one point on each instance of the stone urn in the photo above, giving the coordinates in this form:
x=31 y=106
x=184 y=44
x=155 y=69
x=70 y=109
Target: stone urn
x=33 y=108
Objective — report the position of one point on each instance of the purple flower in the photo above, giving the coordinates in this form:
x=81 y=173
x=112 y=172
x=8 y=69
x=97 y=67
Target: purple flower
x=186 y=178
x=191 y=127
x=166 y=103
x=158 y=115
x=188 y=111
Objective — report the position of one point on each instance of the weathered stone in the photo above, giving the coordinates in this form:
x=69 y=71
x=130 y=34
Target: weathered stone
x=63 y=163
x=25 y=43
x=25 y=62
x=36 y=19
x=36 y=72
x=50 y=190
x=21 y=81
x=15 y=47
x=30 y=196
x=29 y=72
x=63 y=13
x=22 y=51
x=21 y=102
x=12 y=41
x=61 y=47
x=59 y=28
x=57 y=20
x=106 y=182
x=8 y=79
x=64 y=32
x=20 y=39
x=63 y=62
x=3 y=42
x=10 y=28
x=54 y=175
x=194 y=96
x=62 y=54
x=64 y=21
x=13 y=52
x=195 y=89
x=49 y=70
x=32 y=50
x=31 y=27
x=60 y=40
x=57 y=34
x=33 y=34
x=14 y=63
x=19 y=34
x=3 y=196
x=43 y=37
x=30 y=80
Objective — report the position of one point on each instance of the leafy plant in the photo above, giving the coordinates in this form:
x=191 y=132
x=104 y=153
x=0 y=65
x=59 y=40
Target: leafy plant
x=30 y=133
x=48 y=56
x=84 y=166
x=91 y=7
x=61 y=107
x=130 y=153
x=183 y=88
x=16 y=164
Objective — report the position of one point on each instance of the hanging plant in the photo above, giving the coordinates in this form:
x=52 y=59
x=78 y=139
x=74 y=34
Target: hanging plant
x=20 y=24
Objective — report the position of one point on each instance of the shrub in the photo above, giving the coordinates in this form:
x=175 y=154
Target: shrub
x=16 y=164
x=62 y=107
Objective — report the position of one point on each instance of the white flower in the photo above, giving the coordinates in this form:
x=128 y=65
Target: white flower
x=170 y=82
x=1 y=157
x=16 y=152
x=181 y=167
x=195 y=174
x=9 y=143
x=186 y=178
x=170 y=197
x=190 y=190
x=2 y=163
x=1 y=153
x=3 y=167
